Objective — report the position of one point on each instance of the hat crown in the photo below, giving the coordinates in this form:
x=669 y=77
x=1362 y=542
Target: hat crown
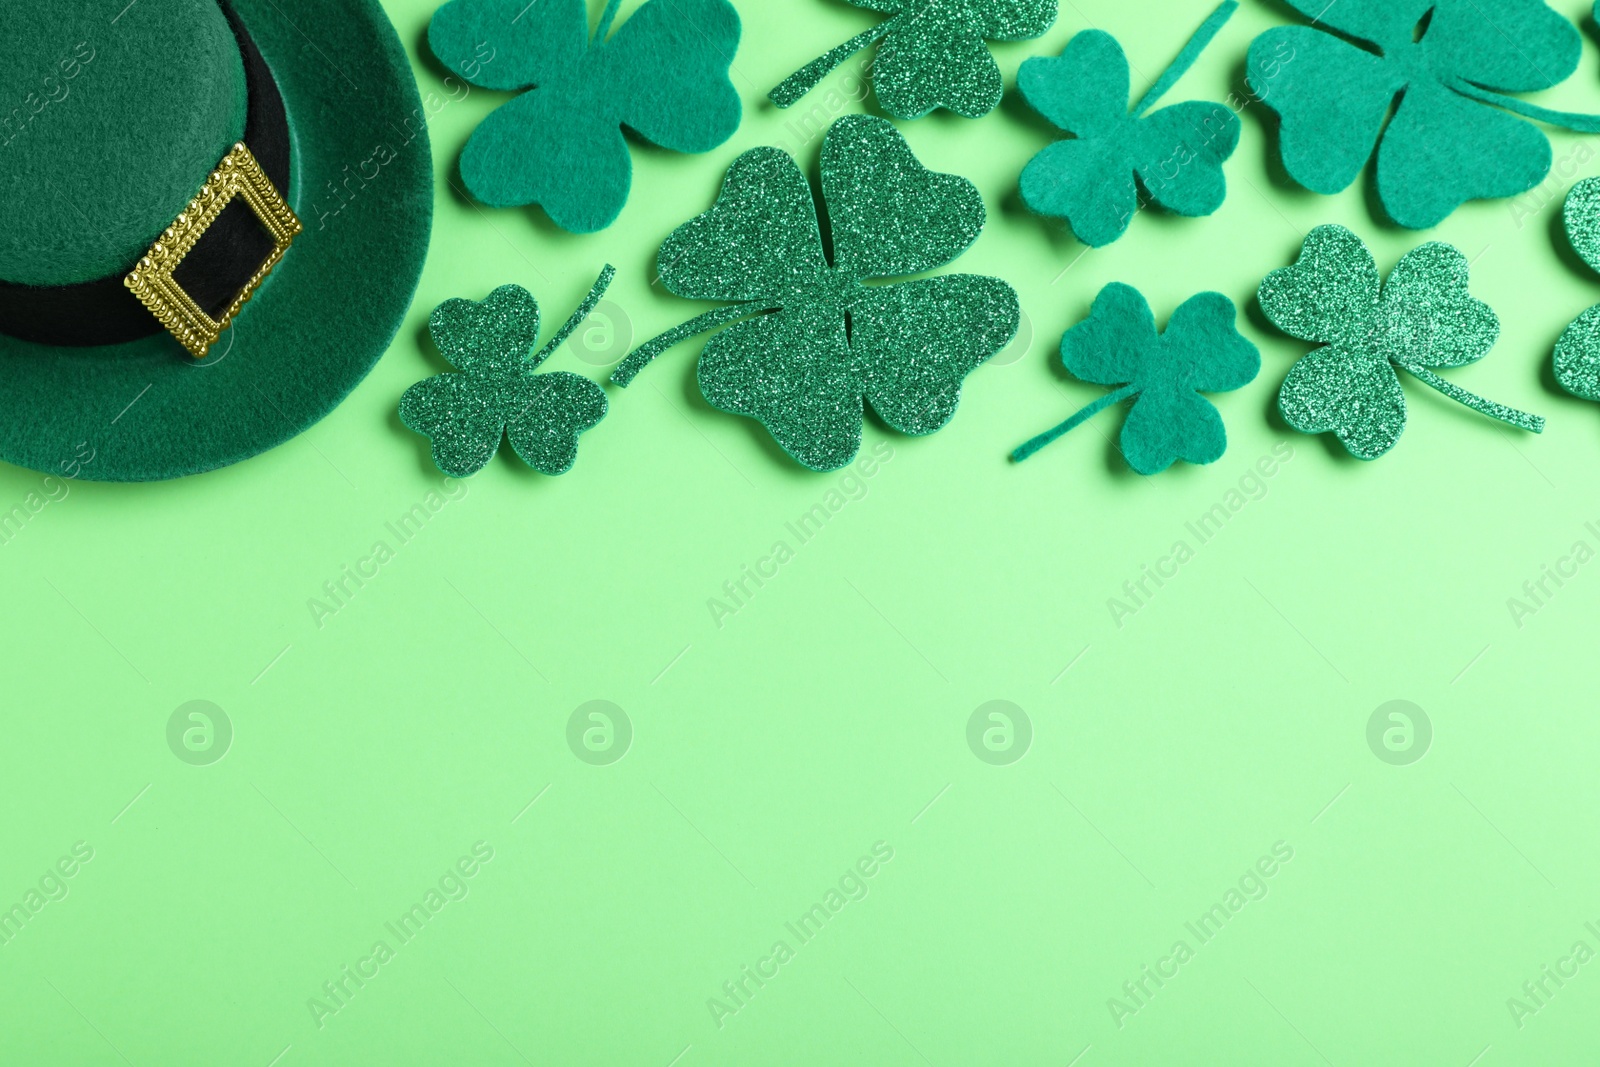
x=112 y=115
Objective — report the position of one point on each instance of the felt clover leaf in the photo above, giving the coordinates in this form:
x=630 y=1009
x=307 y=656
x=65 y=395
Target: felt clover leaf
x=931 y=54
x=1448 y=63
x=1578 y=351
x=560 y=144
x=1177 y=153
x=1369 y=328
x=817 y=343
x=498 y=395
x=1164 y=373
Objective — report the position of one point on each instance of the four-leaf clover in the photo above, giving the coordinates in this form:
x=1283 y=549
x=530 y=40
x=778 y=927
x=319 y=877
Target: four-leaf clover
x=1201 y=351
x=1421 y=317
x=817 y=343
x=1177 y=152
x=560 y=145
x=499 y=395
x=932 y=54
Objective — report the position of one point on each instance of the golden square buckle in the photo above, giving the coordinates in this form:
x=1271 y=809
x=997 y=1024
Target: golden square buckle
x=151 y=280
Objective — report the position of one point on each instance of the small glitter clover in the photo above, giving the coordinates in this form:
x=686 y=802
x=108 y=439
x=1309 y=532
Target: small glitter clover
x=1578 y=351
x=664 y=75
x=498 y=395
x=1421 y=317
x=932 y=54
x=1448 y=63
x=1177 y=153
x=817 y=343
x=1164 y=373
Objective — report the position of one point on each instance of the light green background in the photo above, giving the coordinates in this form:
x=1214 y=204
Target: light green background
x=1168 y=754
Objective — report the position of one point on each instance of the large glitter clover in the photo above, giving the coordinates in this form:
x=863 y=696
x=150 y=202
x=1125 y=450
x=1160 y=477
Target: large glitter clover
x=1421 y=317
x=931 y=54
x=1449 y=64
x=498 y=395
x=817 y=343
x=1176 y=153
x=1163 y=373
x=1578 y=351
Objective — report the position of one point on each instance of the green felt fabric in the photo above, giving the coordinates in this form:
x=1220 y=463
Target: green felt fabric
x=363 y=187
x=1200 y=351
x=1422 y=317
x=1177 y=153
x=664 y=75
x=109 y=132
x=1446 y=61
x=1577 y=360
x=499 y=395
x=932 y=54
x=816 y=343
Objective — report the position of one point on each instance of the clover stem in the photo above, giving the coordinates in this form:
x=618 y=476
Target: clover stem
x=606 y=18
x=641 y=357
x=1071 y=424
x=1520 y=419
x=1191 y=52
x=1567 y=120
x=584 y=310
x=806 y=78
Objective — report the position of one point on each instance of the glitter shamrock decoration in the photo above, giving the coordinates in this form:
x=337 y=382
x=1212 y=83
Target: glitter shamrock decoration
x=1421 y=317
x=817 y=343
x=498 y=395
x=1449 y=63
x=931 y=54
x=1163 y=373
x=1177 y=152
x=1578 y=351
x=560 y=144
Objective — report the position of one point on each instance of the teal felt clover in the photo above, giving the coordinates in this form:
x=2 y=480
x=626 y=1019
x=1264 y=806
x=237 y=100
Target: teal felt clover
x=499 y=395
x=1578 y=350
x=1422 y=83
x=1164 y=374
x=931 y=54
x=1422 y=317
x=817 y=343
x=664 y=75
x=1175 y=153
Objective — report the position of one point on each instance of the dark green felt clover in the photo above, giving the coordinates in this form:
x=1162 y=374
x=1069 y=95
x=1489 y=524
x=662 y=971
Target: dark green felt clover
x=1176 y=153
x=499 y=395
x=1163 y=373
x=1421 y=317
x=1578 y=351
x=1449 y=64
x=817 y=343
x=931 y=54
x=664 y=75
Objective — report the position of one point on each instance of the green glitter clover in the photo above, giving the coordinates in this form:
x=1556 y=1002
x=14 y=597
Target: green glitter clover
x=663 y=75
x=931 y=54
x=498 y=395
x=1165 y=373
x=1578 y=351
x=1448 y=63
x=1177 y=153
x=817 y=342
x=1421 y=317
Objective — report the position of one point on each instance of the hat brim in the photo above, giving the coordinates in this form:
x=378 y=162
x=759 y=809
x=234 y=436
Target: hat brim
x=362 y=186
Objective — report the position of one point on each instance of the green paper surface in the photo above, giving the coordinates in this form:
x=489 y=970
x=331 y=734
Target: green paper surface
x=1204 y=663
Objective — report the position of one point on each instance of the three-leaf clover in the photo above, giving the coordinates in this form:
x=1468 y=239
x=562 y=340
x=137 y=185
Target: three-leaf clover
x=498 y=395
x=1448 y=63
x=1421 y=317
x=560 y=144
x=1578 y=351
x=931 y=54
x=1201 y=351
x=817 y=343
x=1177 y=152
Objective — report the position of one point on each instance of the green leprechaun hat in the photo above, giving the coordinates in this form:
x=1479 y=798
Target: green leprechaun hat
x=214 y=216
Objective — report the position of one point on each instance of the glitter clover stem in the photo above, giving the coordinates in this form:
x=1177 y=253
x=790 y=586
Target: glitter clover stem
x=1511 y=416
x=606 y=18
x=806 y=78
x=1186 y=59
x=641 y=357
x=1567 y=120
x=585 y=309
x=1051 y=436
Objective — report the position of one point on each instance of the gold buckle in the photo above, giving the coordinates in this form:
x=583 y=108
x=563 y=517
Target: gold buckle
x=151 y=280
